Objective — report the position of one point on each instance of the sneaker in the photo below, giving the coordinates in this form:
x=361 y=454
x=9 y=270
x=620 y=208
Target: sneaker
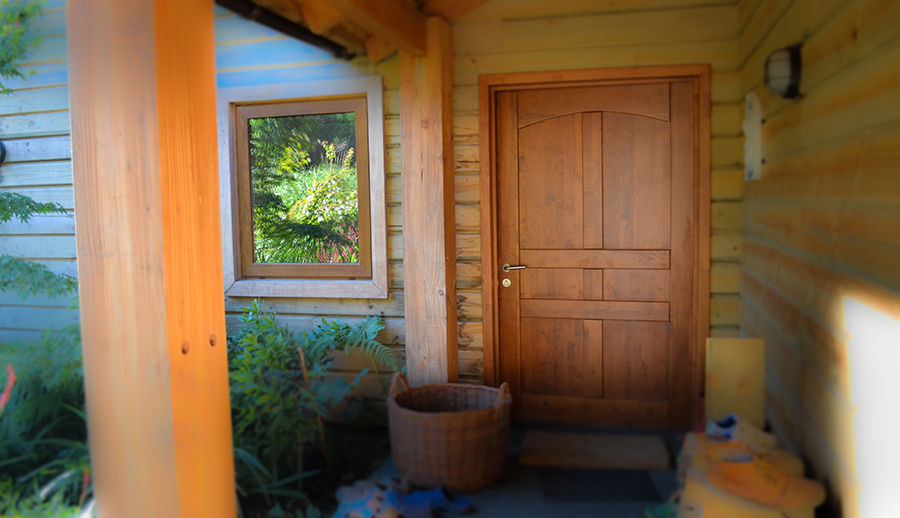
x=744 y=476
x=737 y=428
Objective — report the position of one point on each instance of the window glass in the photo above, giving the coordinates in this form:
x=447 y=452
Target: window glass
x=304 y=189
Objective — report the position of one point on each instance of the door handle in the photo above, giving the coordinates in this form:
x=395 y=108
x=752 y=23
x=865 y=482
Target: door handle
x=506 y=267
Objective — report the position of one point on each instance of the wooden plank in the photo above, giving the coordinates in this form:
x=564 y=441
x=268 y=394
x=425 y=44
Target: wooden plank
x=735 y=379
x=35 y=125
x=30 y=101
x=639 y=285
x=651 y=259
x=40 y=224
x=725 y=277
x=637 y=182
x=727 y=184
x=606 y=412
x=484 y=59
x=428 y=215
x=597 y=310
x=724 y=310
x=392 y=21
x=649 y=100
x=724 y=247
x=38 y=247
x=390 y=307
x=726 y=119
x=727 y=152
x=848 y=37
x=623 y=28
x=36 y=319
x=320 y=17
x=865 y=98
x=547 y=283
x=450 y=10
x=801 y=19
x=726 y=216
x=145 y=164
x=760 y=23
x=593 y=359
x=551 y=145
x=53 y=194
x=552 y=356
x=635 y=360
x=38 y=149
x=500 y=9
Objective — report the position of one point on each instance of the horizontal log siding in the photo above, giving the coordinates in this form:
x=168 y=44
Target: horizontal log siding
x=248 y=54
x=822 y=227
x=34 y=126
x=530 y=35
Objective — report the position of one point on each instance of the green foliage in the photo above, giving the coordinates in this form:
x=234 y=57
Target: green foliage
x=305 y=206
x=15 y=205
x=29 y=278
x=43 y=434
x=14 y=38
x=25 y=277
x=273 y=410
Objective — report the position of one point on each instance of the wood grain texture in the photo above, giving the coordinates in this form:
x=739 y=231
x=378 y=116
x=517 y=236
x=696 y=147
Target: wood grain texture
x=395 y=22
x=636 y=182
x=429 y=219
x=159 y=409
x=550 y=295
x=819 y=230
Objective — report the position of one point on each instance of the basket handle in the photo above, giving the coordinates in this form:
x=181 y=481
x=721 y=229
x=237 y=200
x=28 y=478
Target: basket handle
x=504 y=393
x=399 y=379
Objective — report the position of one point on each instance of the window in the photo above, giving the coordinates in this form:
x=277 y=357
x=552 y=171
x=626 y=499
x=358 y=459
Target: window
x=305 y=176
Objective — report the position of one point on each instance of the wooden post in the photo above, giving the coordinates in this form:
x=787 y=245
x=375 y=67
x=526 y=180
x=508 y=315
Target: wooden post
x=429 y=250
x=142 y=87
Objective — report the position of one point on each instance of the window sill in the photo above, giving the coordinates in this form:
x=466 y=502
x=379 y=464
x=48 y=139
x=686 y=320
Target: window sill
x=308 y=288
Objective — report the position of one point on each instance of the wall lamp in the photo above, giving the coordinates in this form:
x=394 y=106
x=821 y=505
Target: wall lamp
x=782 y=72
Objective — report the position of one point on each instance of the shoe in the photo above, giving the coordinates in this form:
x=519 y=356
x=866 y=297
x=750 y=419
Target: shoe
x=737 y=428
x=744 y=476
x=700 y=448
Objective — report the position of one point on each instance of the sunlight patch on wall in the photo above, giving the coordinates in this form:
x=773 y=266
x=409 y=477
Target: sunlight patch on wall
x=874 y=348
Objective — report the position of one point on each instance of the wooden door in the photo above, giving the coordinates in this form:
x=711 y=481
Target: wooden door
x=595 y=197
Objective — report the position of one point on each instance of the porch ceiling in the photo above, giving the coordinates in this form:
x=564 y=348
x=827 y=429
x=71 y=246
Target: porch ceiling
x=374 y=27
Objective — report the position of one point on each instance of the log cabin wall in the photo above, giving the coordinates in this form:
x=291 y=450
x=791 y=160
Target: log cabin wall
x=530 y=35
x=248 y=54
x=821 y=239
x=34 y=126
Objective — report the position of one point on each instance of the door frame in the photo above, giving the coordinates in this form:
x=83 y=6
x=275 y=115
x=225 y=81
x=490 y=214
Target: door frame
x=489 y=85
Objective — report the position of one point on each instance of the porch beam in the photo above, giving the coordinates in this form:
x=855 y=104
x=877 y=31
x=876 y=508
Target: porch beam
x=429 y=249
x=142 y=87
x=450 y=10
x=395 y=22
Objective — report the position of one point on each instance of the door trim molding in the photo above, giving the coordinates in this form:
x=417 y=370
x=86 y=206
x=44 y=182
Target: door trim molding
x=489 y=85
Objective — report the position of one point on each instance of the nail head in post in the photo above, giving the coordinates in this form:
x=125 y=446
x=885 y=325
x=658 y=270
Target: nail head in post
x=782 y=71
x=185 y=347
x=213 y=340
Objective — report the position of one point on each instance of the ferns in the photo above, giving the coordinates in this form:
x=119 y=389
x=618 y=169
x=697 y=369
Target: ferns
x=340 y=336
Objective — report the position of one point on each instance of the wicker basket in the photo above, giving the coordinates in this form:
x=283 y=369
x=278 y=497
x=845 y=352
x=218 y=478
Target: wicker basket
x=449 y=435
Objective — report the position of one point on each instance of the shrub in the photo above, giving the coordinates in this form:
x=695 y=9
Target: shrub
x=274 y=409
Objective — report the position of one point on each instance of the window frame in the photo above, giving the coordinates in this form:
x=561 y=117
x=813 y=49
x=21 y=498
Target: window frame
x=249 y=268
x=302 y=280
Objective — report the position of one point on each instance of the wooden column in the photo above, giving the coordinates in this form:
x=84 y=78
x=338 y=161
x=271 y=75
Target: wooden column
x=142 y=86
x=429 y=250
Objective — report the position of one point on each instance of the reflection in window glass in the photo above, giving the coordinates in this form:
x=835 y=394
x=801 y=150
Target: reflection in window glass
x=304 y=189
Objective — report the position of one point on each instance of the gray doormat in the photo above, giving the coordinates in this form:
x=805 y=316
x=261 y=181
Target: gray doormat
x=593 y=450
x=597 y=485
